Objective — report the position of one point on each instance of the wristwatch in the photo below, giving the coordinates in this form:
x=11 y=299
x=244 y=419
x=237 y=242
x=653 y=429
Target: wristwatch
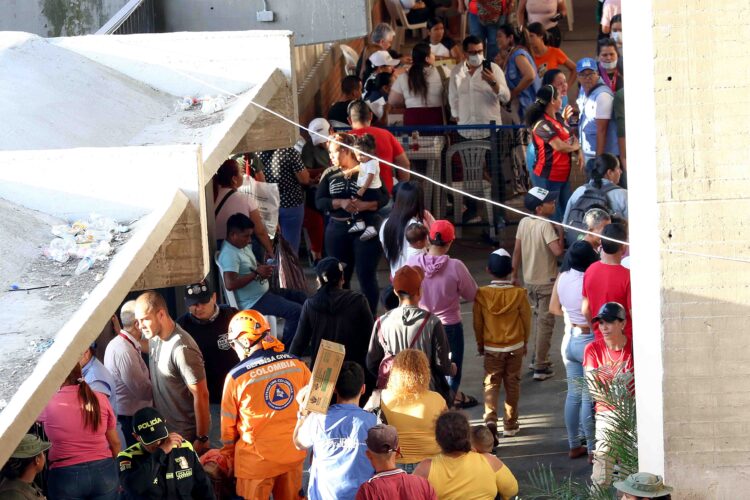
x=202 y=439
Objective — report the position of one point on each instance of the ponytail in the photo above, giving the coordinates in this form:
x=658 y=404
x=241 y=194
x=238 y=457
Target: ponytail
x=534 y=113
x=89 y=402
x=599 y=166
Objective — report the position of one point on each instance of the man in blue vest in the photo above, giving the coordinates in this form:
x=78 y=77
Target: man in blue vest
x=597 y=129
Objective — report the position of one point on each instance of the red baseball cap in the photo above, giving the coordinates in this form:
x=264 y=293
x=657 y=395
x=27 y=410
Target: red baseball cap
x=442 y=232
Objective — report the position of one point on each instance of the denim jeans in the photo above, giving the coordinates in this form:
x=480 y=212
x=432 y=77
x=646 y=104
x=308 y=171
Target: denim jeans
x=578 y=412
x=486 y=33
x=360 y=256
x=97 y=480
x=563 y=188
x=290 y=220
x=285 y=304
x=455 y=335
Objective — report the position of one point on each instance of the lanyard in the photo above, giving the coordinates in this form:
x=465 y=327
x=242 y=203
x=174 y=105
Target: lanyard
x=129 y=341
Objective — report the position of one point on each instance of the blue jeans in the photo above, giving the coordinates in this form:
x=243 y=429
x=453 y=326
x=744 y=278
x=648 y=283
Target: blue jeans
x=290 y=220
x=486 y=33
x=97 y=480
x=285 y=304
x=563 y=188
x=455 y=335
x=578 y=412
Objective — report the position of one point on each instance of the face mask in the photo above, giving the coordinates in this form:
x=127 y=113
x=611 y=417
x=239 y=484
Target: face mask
x=617 y=37
x=609 y=65
x=475 y=60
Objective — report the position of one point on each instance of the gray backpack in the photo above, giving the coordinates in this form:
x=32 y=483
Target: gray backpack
x=592 y=197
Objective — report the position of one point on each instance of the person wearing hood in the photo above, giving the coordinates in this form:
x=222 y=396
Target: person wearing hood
x=502 y=325
x=410 y=327
x=447 y=281
x=334 y=314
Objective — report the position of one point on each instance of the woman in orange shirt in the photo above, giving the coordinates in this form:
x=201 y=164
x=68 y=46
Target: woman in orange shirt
x=546 y=57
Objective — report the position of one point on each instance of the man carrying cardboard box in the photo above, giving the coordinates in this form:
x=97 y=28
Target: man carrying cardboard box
x=259 y=412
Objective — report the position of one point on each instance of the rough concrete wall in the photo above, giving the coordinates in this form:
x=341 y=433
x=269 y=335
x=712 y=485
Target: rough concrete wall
x=57 y=17
x=313 y=21
x=702 y=96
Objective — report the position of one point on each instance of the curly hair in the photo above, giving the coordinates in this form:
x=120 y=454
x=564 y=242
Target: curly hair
x=453 y=432
x=410 y=375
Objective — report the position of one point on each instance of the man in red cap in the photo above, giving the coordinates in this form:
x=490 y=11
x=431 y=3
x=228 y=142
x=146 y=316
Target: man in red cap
x=409 y=327
x=446 y=282
x=259 y=412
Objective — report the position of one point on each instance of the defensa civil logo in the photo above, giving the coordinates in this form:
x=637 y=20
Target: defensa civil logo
x=279 y=394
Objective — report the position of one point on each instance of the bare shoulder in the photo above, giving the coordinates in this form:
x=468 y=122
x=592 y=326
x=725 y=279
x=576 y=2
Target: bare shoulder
x=494 y=462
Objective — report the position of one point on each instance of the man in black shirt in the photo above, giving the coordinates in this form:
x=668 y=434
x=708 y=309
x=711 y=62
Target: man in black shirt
x=208 y=324
x=351 y=90
x=160 y=465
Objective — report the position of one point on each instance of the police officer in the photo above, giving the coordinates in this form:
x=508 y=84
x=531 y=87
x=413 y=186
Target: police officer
x=160 y=464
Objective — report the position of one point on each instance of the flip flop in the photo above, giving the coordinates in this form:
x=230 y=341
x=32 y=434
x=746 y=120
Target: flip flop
x=465 y=402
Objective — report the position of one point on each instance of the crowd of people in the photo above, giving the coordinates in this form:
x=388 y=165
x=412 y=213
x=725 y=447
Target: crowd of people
x=213 y=403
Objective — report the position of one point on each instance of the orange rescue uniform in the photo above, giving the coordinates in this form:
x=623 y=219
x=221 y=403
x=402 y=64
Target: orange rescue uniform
x=258 y=415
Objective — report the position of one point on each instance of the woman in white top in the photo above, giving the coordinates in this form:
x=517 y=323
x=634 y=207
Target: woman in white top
x=228 y=201
x=566 y=301
x=420 y=90
x=443 y=47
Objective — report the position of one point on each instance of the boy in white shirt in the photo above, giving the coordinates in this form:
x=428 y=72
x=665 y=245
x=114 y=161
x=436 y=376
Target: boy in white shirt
x=368 y=182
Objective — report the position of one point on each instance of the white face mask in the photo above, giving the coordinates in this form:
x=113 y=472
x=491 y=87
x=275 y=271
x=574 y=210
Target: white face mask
x=475 y=60
x=609 y=65
x=617 y=37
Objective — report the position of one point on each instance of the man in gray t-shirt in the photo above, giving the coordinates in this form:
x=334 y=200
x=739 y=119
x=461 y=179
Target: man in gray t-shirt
x=178 y=376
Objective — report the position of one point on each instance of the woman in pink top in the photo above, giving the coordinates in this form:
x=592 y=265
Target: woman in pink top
x=81 y=426
x=446 y=282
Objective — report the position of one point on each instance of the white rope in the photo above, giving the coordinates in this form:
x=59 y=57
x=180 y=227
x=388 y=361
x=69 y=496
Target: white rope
x=450 y=188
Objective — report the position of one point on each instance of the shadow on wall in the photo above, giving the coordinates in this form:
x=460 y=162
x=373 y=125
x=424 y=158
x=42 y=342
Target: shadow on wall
x=65 y=18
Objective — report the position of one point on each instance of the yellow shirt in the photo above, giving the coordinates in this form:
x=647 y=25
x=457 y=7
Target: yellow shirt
x=470 y=477
x=415 y=422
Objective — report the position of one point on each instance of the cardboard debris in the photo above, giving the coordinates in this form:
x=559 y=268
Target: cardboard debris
x=324 y=376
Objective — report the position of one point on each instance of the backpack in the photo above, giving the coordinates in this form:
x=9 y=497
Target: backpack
x=592 y=197
x=384 y=370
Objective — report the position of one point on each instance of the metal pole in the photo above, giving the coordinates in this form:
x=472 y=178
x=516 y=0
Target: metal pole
x=496 y=176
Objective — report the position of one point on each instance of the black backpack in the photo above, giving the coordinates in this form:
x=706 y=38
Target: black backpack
x=592 y=197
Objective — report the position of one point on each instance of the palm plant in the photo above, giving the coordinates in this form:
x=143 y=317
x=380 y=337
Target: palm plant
x=621 y=439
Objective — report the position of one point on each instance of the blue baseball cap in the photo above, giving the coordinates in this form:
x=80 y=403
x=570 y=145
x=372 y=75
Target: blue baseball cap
x=586 y=63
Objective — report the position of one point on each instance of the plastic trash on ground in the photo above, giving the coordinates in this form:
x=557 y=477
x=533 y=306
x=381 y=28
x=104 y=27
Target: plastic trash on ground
x=88 y=240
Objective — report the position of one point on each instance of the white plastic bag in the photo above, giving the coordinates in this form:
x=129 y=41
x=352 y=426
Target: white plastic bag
x=266 y=195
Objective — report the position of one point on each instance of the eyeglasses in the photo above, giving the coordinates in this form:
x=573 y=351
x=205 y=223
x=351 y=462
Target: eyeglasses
x=197 y=289
x=587 y=74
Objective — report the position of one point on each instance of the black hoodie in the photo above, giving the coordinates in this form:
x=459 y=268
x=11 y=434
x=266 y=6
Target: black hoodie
x=338 y=315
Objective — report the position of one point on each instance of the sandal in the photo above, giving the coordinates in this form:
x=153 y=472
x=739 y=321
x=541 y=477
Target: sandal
x=465 y=401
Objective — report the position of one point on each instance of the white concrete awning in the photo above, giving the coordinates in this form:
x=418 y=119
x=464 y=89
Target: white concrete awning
x=93 y=127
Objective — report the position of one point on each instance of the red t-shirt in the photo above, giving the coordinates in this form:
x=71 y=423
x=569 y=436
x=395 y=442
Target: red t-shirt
x=551 y=164
x=597 y=356
x=396 y=485
x=387 y=148
x=604 y=283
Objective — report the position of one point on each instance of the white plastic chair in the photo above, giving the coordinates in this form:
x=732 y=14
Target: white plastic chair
x=350 y=59
x=400 y=23
x=231 y=298
x=473 y=156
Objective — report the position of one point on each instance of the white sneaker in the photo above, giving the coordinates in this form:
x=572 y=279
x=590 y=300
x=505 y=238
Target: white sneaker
x=511 y=432
x=357 y=226
x=540 y=375
x=369 y=233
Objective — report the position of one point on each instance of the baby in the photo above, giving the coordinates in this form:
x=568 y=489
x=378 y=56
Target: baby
x=416 y=235
x=368 y=183
x=482 y=440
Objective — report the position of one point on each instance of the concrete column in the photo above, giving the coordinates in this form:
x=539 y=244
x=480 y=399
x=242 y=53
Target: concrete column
x=688 y=96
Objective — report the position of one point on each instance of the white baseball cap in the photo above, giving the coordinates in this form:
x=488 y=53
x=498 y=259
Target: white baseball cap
x=322 y=127
x=383 y=58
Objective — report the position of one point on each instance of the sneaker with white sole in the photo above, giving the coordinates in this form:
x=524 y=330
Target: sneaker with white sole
x=544 y=374
x=511 y=432
x=369 y=233
x=357 y=226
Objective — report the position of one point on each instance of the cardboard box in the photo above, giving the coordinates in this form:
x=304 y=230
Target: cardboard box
x=324 y=376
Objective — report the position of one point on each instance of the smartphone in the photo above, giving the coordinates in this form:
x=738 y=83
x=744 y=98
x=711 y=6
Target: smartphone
x=271 y=262
x=486 y=64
